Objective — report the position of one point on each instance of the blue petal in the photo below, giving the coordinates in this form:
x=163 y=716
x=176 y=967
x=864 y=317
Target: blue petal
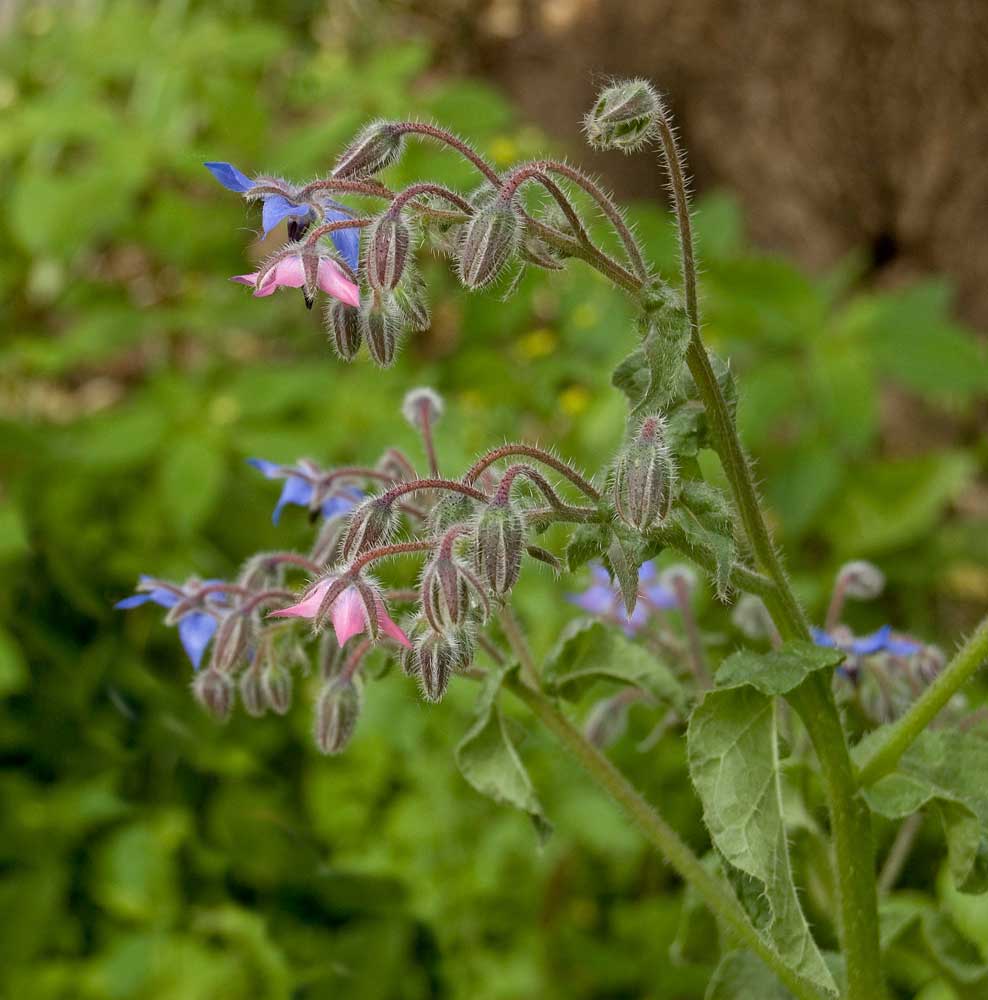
x=346 y=241
x=135 y=601
x=278 y=207
x=230 y=177
x=646 y=572
x=195 y=630
x=874 y=643
x=337 y=505
x=598 y=600
x=271 y=470
x=660 y=597
x=297 y=491
x=902 y=647
x=822 y=639
x=163 y=598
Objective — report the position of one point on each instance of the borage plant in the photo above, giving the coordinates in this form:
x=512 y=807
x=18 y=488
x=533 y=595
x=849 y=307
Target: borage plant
x=770 y=724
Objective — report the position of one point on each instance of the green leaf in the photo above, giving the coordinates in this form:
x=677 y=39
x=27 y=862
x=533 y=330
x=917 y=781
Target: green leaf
x=702 y=515
x=488 y=759
x=778 y=671
x=588 y=651
x=625 y=555
x=743 y=976
x=734 y=762
x=946 y=768
x=586 y=543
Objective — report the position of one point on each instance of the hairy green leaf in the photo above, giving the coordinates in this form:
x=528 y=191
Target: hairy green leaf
x=778 y=671
x=743 y=976
x=586 y=543
x=702 y=515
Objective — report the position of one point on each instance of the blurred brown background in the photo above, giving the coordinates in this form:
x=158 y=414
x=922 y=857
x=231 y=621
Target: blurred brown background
x=841 y=124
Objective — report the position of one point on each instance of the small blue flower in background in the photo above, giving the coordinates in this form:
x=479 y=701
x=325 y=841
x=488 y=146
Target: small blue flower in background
x=195 y=628
x=603 y=597
x=300 y=486
x=277 y=207
x=882 y=641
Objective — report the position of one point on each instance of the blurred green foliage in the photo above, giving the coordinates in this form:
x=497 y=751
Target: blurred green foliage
x=144 y=852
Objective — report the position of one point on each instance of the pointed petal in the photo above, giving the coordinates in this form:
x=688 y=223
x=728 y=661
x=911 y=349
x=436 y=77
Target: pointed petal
x=246 y=279
x=296 y=491
x=348 y=615
x=278 y=207
x=389 y=628
x=308 y=606
x=134 y=601
x=822 y=639
x=287 y=273
x=333 y=282
x=195 y=630
x=270 y=470
x=229 y=176
x=346 y=241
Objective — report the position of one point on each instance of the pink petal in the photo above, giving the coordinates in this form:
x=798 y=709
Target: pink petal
x=287 y=273
x=388 y=627
x=348 y=615
x=334 y=282
x=308 y=606
x=246 y=279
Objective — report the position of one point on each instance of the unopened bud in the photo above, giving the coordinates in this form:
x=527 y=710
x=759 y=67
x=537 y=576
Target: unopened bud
x=437 y=658
x=862 y=580
x=376 y=146
x=231 y=642
x=487 y=243
x=498 y=546
x=387 y=251
x=381 y=327
x=422 y=406
x=444 y=593
x=337 y=711
x=624 y=116
x=252 y=693
x=412 y=301
x=214 y=691
x=343 y=324
x=644 y=478
x=370 y=524
x=276 y=681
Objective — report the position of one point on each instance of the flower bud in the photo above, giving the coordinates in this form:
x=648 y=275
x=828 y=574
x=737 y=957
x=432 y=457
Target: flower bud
x=422 y=405
x=412 y=302
x=343 y=323
x=644 y=478
x=387 y=251
x=437 y=658
x=337 y=711
x=863 y=581
x=445 y=599
x=624 y=116
x=487 y=243
x=276 y=682
x=231 y=642
x=498 y=546
x=376 y=146
x=370 y=524
x=252 y=692
x=381 y=328
x=214 y=691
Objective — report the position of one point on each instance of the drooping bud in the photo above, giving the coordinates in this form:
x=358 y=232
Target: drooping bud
x=231 y=642
x=416 y=628
x=214 y=691
x=387 y=251
x=381 y=328
x=437 y=658
x=276 y=682
x=644 y=478
x=862 y=580
x=337 y=711
x=370 y=524
x=412 y=301
x=252 y=692
x=499 y=542
x=445 y=599
x=624 y=116
x=376 y=146
x=422 y=405
x=343 y=323
x=487 y=243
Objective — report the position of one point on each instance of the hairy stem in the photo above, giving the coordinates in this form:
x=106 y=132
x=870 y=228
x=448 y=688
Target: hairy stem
x=540 y=455
x=900 y=735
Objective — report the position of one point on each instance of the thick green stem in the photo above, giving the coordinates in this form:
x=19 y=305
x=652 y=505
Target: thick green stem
x=899 y=737
x=715 y=893
x=850 y=819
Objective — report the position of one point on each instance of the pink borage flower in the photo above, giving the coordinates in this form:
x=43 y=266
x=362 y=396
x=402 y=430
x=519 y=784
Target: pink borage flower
x=348 y=613
x=289 y=272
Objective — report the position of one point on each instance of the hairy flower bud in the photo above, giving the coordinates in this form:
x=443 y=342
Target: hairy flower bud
x=387 y=251
x=375 y=147
x=231 y=642
x=276 y=682
x=343 y=323
x=498 y=545
x=862 y=580
x=381 y=328
x=644 y=478
x=445 y=599
x=214 y=691
x=252 y=692
x=437 y=659
x=337 y=711
x=370 y=524
x=422 y=405
x=624 y=116
x=487 y=243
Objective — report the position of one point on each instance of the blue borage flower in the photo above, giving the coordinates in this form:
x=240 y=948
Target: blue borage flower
x=196 y=627
x=289 y=205
x=301 y=483
x=603 y=597
x=882 y=641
